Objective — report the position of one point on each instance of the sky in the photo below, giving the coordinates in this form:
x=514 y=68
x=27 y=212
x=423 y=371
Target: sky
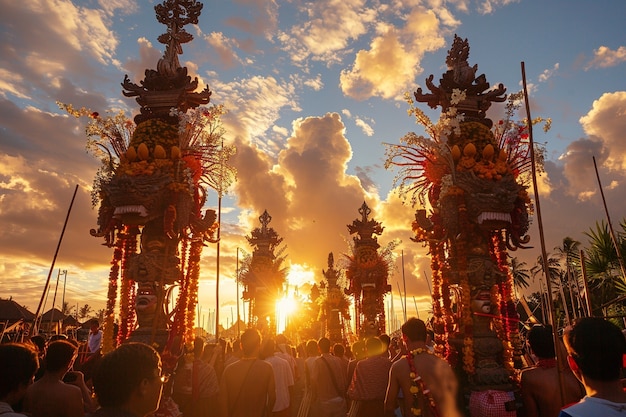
x=313 y=90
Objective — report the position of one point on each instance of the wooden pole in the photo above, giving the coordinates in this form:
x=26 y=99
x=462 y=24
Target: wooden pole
x=544 y=256
x=56 y=252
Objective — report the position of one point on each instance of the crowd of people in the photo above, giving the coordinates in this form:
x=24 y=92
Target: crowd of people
x=268 y=377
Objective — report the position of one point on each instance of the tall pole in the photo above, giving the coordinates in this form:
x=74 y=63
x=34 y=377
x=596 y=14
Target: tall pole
x=56 y=252
x=64 y=285
x=54 y=300
x=544 y=256
x=217 y=277
x=237 y=284
x=404 y=283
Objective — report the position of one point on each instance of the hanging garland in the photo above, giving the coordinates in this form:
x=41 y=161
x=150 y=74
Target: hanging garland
x=418 y=389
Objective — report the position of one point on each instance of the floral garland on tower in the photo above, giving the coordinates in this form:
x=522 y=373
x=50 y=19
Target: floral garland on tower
x=109 y=313
x=127 y=288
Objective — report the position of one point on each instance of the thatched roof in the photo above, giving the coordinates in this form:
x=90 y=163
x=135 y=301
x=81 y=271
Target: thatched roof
x=12 y=311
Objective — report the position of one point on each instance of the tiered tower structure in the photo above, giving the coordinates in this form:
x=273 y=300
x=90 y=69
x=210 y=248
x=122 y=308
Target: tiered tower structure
x=367 y=275
x=264 y=278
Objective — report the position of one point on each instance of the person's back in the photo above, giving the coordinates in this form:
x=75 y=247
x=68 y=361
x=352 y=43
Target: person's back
x=50 y=396
x=596 y=349
x=540 y=385
x=247 y=386
x=436 y=386
x=283 y=378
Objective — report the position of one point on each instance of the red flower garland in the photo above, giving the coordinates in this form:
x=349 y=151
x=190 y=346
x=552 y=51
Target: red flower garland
x=109 y=314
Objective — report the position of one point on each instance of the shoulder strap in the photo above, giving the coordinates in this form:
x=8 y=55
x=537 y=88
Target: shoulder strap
x=332 y=377
x=243 y=383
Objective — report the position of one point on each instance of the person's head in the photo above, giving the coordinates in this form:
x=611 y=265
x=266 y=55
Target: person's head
x=94 y=325
x=59 y=336
x=311 y=348
x=268 y=348
x=130 y=377
x=18 y=364
x=324 y=345
x=40 y=343
x=338 y=350
x=374 y=346
x=414 y=330
x=198 y=347
x=250 y=342
x=386 y=339
x=595 y=348
x=541 y=342
x=358 y=349
x=60 y=356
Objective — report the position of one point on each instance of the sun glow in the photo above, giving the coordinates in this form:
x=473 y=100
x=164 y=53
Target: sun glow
x=300 y=274
x=285 y=308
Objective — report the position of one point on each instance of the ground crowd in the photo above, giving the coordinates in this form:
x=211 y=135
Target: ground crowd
x=268 y=377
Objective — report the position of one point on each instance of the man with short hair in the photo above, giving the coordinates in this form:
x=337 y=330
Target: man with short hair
x=18 y=364
x=129 y=382
x=423 y=378
x=328 y=382
x=283 y=378
x=94 y=340
x=596 y=349
x=247 y=386
x=540 y=385
x=50 y=395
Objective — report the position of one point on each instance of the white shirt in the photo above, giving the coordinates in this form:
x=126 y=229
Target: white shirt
x=94 y=341
x=283 y=379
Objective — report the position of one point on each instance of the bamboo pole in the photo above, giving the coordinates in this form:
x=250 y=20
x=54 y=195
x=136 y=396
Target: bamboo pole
x=56 y=252
x=544 y=255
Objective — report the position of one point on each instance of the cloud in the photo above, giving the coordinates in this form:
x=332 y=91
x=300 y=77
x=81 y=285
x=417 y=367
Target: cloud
x=548 y=73
x=392 y=60
x=607 y=120
x=604 y=57
x=224 y=50
x=49 y=37
x=329 y=28
x=305 y=189
x=365 y=127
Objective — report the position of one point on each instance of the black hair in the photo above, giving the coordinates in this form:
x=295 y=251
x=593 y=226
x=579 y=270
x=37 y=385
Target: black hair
x=338 y=350
x=541 y=342
x=414 y=329
x=324 y=345
x=597 y=346
x=122 y=370
x=59 y=355
x=374 y=346
x=250 y=341
x=18 y=364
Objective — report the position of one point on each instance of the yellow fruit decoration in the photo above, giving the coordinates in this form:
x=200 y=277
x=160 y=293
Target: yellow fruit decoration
x=456 y=153
x=159 y=152
x=469 y=150
x=175 y=152
x=503 y=155
x=143 y=152
x=131 y=154
x=488 y=152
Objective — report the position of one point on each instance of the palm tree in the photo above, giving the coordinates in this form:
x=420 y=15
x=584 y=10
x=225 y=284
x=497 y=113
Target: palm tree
x=520 y=272
x=84 y=311
x=603 y=265
x=556 y=275
x=570 y=255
